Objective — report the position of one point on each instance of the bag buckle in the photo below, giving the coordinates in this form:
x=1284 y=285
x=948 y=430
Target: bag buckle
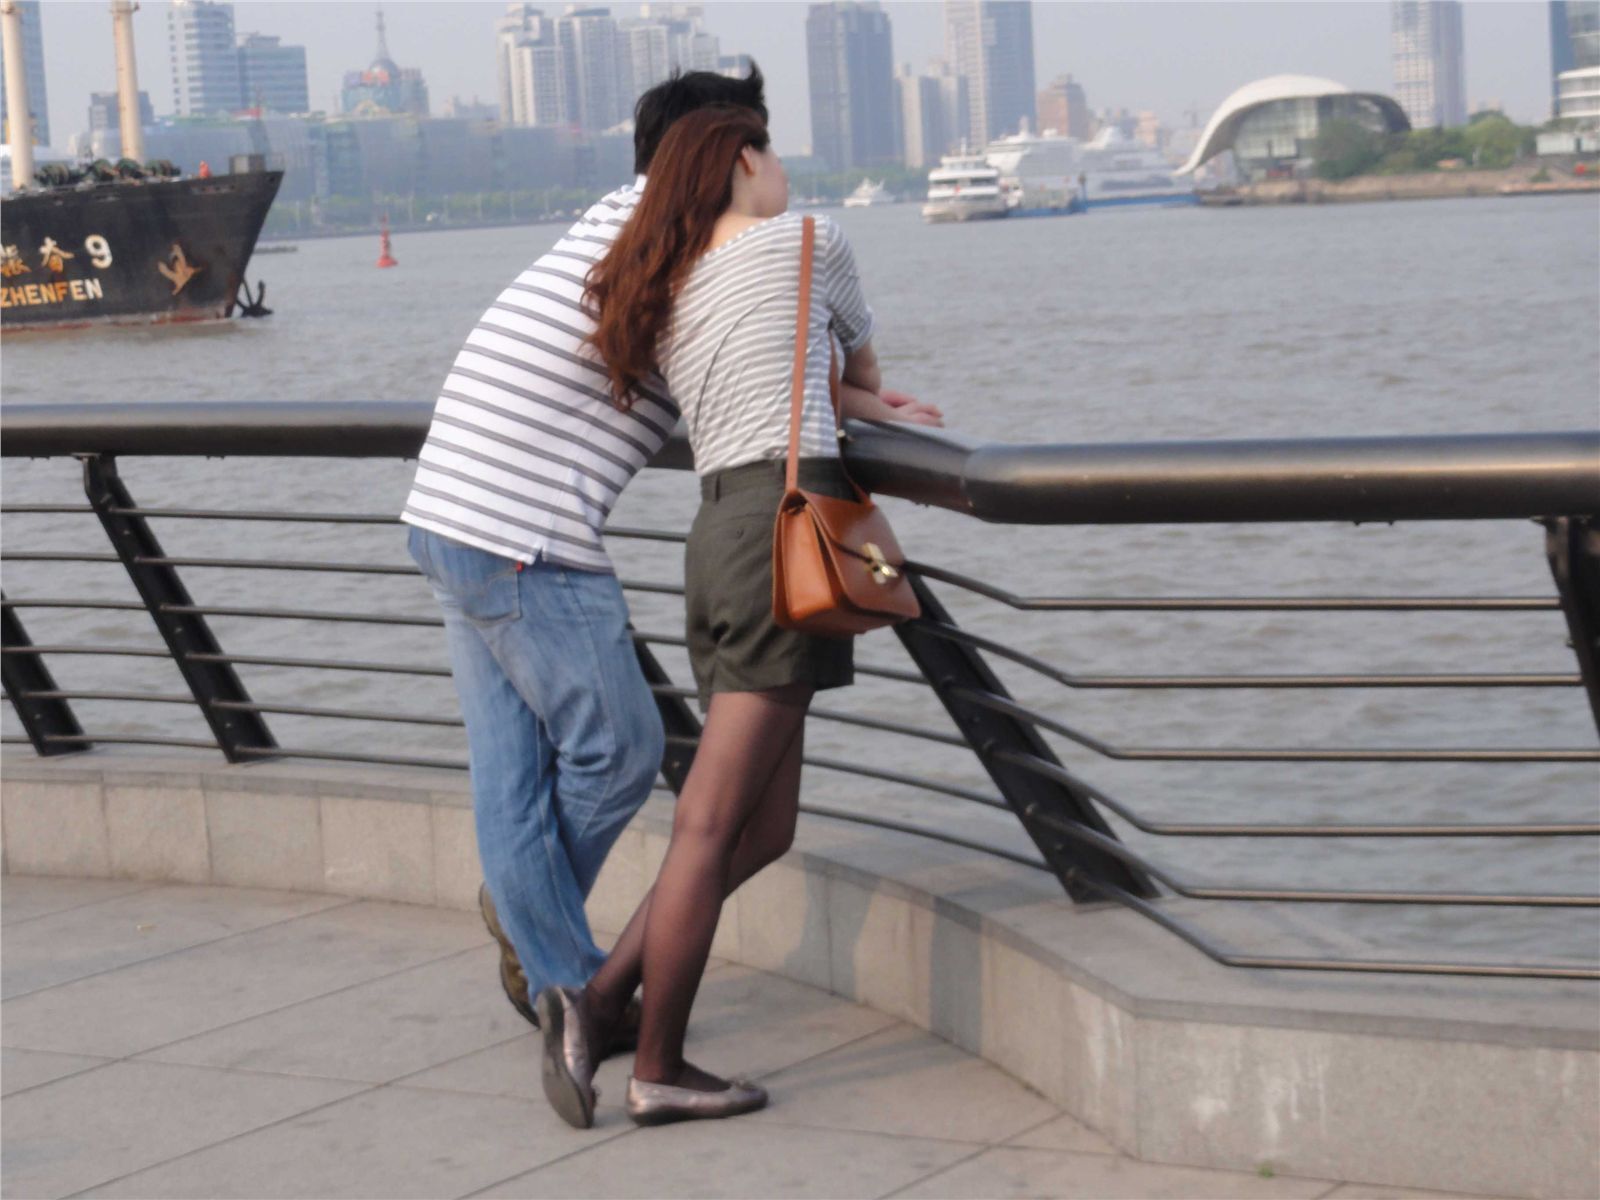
x=882 y=572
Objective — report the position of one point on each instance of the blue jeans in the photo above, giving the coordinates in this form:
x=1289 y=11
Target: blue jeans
x=564 y=737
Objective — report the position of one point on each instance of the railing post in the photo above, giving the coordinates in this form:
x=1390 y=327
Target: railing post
x=1573 y=547
x=677 y=718
x=25 y=677
x=952 y=667
x=186 y=634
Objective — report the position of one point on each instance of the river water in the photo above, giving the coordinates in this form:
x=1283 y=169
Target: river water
x=1408 y=318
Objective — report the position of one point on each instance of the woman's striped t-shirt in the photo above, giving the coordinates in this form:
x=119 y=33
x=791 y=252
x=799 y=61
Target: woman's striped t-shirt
x=526 y=453
x=728 y=356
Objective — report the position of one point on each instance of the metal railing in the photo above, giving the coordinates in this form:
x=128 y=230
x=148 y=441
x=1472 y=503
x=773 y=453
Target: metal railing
x=1550 y=478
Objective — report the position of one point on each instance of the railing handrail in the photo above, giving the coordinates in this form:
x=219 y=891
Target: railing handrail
x=1434 y=477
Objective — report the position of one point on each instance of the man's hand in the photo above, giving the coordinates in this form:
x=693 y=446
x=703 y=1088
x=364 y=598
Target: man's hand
x=909 y=408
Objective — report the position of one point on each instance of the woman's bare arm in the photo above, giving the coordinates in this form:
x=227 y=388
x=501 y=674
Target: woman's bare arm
x=861 y=369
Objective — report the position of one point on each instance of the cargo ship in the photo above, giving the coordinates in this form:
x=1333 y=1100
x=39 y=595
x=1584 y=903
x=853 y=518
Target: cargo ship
x=123 y=243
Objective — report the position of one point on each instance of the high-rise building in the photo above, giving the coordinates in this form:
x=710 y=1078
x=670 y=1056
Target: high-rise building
x=736 y=66
x=1425 y=41
x=991 y=43
x=1574 y=41
x=540 y=76
x=922 y=125
x=955 y=107
x=689 y=46
x=272 y=76
x=588 y=41
x=205 y=59
x=1064 y=108
x=523 y=25
x=384 y=87
x=850 y=54
x=644 y=57
x=104 y=114
x=33 y=67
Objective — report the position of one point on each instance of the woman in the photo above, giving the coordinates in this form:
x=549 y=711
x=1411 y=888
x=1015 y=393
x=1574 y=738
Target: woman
x=702 y=287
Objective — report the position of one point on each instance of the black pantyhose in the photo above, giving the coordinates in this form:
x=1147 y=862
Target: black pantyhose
x=736 y=814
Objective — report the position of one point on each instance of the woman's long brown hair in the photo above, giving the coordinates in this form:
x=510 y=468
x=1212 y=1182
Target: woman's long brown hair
x=631 y=290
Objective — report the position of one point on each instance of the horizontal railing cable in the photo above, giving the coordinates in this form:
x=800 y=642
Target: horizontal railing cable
x=1003 y=704
x=1194 y=891
x=1267 y=962
x=1055 y=771
x=1235 y=603
x=1178 y=682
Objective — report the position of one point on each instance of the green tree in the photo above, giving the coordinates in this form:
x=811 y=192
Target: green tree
x=1496 y=141
x=1344 y=149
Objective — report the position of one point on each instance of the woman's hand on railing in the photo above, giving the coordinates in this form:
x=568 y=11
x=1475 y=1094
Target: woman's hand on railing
x=909 y=408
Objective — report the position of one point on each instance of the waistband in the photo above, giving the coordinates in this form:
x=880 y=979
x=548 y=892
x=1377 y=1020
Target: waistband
x=768 y=473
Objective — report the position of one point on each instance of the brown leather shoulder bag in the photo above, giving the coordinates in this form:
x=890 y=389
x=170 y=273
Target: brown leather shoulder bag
x=836 y=568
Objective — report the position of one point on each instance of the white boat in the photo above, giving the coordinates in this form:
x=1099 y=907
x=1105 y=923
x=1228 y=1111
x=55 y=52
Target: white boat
x=963 y=187
x=869 y=195
x=1046 y=171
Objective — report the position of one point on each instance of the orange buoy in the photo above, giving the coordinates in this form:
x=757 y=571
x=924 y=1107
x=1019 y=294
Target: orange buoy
x=205 y=170
x=385 y=259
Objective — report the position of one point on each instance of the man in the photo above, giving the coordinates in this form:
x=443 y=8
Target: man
x=524 y=459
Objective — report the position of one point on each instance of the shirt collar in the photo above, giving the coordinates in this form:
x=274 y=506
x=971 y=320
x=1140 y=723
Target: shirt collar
x=638 y=182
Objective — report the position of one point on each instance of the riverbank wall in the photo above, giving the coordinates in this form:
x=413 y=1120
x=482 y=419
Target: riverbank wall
x=1422 y=185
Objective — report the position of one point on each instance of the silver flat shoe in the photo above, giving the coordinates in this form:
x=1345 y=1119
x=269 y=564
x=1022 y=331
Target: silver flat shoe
x=659 y=1103
x=566 y=1068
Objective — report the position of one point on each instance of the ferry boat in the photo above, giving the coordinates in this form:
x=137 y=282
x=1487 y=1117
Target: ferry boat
x=868 y=195
x=963 y=187
x=1050 y=171
x=128 y=242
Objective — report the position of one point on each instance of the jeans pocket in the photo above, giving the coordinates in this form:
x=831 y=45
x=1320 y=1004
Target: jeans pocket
x=484 y=586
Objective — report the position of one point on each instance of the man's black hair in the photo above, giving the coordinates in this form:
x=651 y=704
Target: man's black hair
x=680 y=95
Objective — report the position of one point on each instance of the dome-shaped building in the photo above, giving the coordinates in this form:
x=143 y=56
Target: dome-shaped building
x=1270 y=124
x=384 y=87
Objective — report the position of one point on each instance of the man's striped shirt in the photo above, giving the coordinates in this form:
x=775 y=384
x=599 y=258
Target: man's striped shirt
x=526 y=454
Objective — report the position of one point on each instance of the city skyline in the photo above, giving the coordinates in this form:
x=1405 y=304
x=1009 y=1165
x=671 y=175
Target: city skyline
x=1134 y=55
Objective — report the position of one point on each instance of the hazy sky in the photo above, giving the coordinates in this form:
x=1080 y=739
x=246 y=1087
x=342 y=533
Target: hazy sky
x=1173 y=56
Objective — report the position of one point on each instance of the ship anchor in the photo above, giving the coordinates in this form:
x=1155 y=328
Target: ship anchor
x=253 y=306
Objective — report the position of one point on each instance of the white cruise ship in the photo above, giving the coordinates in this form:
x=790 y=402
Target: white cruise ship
x=1045 y=171
x=963 y=187
x=869 y=195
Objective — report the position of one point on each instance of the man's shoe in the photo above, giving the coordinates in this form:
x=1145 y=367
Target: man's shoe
x=512 y=979
x=659 y=1103
x=566 y=1068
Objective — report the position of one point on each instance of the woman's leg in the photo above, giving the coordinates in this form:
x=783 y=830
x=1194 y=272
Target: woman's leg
x=767 y=836
x=745 y=737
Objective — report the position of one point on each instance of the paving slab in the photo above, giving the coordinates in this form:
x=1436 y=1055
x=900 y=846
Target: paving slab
x=377 y=1031
x=193 y=991
x=90 y=1128
x=1014 y=1173
x=94 y=938
x=388 y=1142
x=1064 y=1133
x=906 y=1082
x=22 y=1069
x=26 y=897
x=737 y=1160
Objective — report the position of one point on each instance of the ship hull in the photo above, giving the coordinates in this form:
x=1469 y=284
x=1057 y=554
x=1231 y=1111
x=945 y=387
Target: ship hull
x=130 y=253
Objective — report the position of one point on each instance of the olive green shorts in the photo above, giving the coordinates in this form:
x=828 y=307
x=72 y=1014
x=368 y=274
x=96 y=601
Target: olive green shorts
x=734 y=644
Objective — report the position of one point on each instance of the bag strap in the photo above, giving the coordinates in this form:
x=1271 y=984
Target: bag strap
x=802 y=338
